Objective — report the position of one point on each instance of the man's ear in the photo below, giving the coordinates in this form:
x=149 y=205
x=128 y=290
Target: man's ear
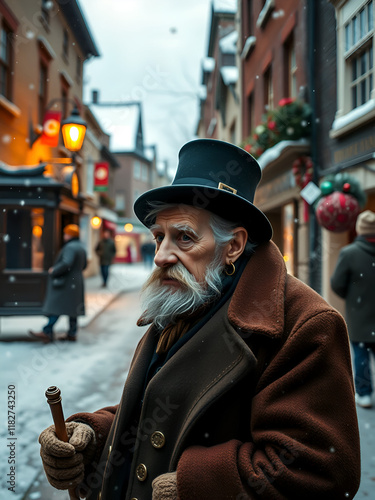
x=236 y=246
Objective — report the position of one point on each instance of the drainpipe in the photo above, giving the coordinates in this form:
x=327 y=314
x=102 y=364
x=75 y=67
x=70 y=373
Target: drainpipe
x=314 y=245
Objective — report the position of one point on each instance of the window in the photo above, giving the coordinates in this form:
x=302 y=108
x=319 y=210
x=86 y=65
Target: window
x=232 y=133
x=268 y=89
x=362 y=78
x=43 y=84
x=137 y=169
x=6 y=61
x=65 y=44
x=45 y=10
x=120 y=201
x=78 y=69
x=24 y=244
x=250 y=111
x=359 y=55
x=290 y=78
x=144 y=173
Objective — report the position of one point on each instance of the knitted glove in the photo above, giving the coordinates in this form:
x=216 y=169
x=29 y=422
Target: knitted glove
x=64 y=462
x=164 y=487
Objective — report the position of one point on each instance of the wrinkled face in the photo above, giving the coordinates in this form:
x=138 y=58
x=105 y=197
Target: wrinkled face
x=184 y=235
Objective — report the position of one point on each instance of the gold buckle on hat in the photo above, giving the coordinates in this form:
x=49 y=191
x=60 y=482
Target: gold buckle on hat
x=224 y=187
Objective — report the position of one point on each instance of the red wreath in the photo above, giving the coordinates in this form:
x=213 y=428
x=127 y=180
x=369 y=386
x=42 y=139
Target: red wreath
x=302 y=169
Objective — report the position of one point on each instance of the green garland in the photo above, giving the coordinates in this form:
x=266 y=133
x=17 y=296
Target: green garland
x=291 y=121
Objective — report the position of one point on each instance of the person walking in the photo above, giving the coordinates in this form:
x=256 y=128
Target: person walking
x=65 y=287
x=354 y=280
x=105 y=250
x=148 y=253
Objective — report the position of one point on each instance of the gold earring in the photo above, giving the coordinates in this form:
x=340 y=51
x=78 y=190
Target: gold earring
x=231 y=271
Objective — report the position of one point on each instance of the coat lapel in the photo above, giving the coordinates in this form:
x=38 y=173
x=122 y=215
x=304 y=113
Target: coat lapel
x=257 y=305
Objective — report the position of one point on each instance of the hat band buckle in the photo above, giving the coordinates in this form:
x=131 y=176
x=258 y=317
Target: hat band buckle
x=225 y=187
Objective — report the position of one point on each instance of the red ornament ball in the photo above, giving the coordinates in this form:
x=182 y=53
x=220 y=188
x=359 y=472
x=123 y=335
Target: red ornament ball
x=337 y=212
x=346 y=187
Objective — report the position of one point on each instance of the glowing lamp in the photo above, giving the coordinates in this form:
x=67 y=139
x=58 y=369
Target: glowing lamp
x=73 y=131
x=96 y=222
x=128 y=227
x=37 y=231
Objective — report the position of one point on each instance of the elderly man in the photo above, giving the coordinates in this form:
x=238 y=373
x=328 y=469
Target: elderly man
x=242 y=387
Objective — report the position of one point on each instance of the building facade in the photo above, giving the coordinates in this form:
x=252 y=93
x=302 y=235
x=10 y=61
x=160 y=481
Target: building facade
x=43 y=49
x=349 y=98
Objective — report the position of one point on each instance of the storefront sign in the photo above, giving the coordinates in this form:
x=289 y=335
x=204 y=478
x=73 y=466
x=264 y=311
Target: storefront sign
x=51 y=128
x=278 y=185
x=101 y=176
x=355 y=147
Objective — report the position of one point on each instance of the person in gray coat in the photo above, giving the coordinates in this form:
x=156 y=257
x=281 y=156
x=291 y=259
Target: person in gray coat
x=106 y=250
x=354 y=281
x=65 y=287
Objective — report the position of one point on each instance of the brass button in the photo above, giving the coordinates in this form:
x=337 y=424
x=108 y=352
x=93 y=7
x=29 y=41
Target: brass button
x=141 y=472
x=157 y=439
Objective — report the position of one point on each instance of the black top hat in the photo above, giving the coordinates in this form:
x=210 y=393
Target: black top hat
x=216 y=176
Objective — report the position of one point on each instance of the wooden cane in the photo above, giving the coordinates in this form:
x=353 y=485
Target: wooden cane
x=53 y=395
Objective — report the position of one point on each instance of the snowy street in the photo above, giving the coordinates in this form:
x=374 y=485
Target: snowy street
x=91 y=375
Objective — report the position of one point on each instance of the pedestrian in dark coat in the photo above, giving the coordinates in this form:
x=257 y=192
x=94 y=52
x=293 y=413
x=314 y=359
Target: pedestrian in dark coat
x=106 y=250
x=354 y=281
x=242 y=386
x=65 y=287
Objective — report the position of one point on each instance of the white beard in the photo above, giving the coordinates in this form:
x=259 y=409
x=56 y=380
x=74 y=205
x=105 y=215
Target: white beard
x=164 y=305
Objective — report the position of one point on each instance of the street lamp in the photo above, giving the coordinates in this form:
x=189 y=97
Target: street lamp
x=73 y=130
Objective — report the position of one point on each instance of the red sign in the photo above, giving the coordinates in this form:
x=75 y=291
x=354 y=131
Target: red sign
x=101 y=176
x=51 y=128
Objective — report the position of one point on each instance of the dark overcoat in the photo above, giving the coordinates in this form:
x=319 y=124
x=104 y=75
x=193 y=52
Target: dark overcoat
x=354 y=280
x=65 y=287
x=257 y=404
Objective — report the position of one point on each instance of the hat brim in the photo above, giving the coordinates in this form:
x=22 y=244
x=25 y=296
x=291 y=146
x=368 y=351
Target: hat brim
x=231 y=207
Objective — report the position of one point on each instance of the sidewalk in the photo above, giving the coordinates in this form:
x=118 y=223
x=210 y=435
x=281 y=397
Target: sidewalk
x=123 y=278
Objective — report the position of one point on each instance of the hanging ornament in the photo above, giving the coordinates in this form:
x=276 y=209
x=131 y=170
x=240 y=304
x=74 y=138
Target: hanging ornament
x=340 y=203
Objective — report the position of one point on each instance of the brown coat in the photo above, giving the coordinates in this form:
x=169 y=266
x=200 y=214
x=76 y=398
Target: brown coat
x=258 y=404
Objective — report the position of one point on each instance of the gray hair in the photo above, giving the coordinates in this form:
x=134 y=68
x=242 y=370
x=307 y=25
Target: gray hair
x=222 y=229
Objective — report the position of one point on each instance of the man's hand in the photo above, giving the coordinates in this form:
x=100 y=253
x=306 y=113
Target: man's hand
x=164 y=487
x=64 y=462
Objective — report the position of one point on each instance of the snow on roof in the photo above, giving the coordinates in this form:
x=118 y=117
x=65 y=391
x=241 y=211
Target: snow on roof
x=121 y=123
x=228 y=6
x=228 y=44
x=208 y=64
x=229 y=74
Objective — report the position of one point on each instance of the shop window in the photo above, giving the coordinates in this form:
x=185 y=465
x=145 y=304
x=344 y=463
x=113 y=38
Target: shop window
x=6 y=61
x=24 y=238
x=288 y=237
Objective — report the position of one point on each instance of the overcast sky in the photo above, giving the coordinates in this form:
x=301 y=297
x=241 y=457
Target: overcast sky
x=151 y=51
